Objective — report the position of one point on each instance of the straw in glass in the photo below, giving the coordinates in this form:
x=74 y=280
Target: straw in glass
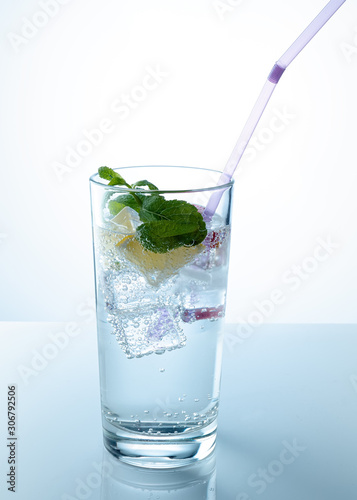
x=263 y=99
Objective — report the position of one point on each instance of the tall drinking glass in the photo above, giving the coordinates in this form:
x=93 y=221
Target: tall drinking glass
x=160 y=320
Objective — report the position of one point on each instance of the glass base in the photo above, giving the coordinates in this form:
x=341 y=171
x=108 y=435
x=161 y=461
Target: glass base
x=161 y=452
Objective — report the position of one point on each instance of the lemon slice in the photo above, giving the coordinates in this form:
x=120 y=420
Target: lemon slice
x=158 y=267
x=122 y=227
x=109 y=239
x=123 y=239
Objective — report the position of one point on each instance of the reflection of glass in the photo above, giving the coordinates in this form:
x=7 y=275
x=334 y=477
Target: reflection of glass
x=194 y=482
x=160 y=315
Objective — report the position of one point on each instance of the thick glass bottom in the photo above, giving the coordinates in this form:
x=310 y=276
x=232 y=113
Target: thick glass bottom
x=166 y=451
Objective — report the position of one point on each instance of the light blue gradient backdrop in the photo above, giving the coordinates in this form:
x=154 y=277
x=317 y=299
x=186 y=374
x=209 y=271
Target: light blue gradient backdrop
x=300 y=185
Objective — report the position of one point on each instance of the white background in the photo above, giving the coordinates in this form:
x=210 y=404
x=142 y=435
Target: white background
x=299 y=187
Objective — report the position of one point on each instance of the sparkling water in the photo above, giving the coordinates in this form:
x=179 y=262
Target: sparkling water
x=160 y=325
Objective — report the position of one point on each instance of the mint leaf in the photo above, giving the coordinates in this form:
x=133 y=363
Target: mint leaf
x=116 y=179
x=113 y=177
x=155 y=242
x=115 y=207
x=165 y=228
x=169 y=224
x=125 y=200
x=150 y=185
x=151 y=208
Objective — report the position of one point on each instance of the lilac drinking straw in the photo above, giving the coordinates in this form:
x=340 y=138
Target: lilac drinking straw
x=263 y=99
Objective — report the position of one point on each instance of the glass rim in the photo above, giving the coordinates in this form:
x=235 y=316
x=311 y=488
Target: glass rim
x=123 y=189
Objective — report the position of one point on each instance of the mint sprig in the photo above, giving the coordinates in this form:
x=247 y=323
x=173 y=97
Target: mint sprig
x=113 y=177
x=125 y=200
x=167 y=224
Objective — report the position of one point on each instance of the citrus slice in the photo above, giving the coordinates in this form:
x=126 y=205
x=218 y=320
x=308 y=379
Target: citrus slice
x=158 y=267
x=122 y=227
x=110 y=239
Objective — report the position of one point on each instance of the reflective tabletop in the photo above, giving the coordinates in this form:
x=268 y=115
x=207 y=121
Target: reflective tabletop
x=287 y=422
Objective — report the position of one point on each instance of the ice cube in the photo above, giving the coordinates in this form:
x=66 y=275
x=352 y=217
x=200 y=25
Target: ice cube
x=215 y=254
x=196 y=274
x=147 y=330
x=126 y=221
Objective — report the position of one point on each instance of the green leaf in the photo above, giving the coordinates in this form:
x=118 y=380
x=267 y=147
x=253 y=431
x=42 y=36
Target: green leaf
x=166 y=228
x=125 y=200
x=151 y=208
x=115 y=207
x=113 y=177
x=169 y=224
x=150 y=185
x=157 y=208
